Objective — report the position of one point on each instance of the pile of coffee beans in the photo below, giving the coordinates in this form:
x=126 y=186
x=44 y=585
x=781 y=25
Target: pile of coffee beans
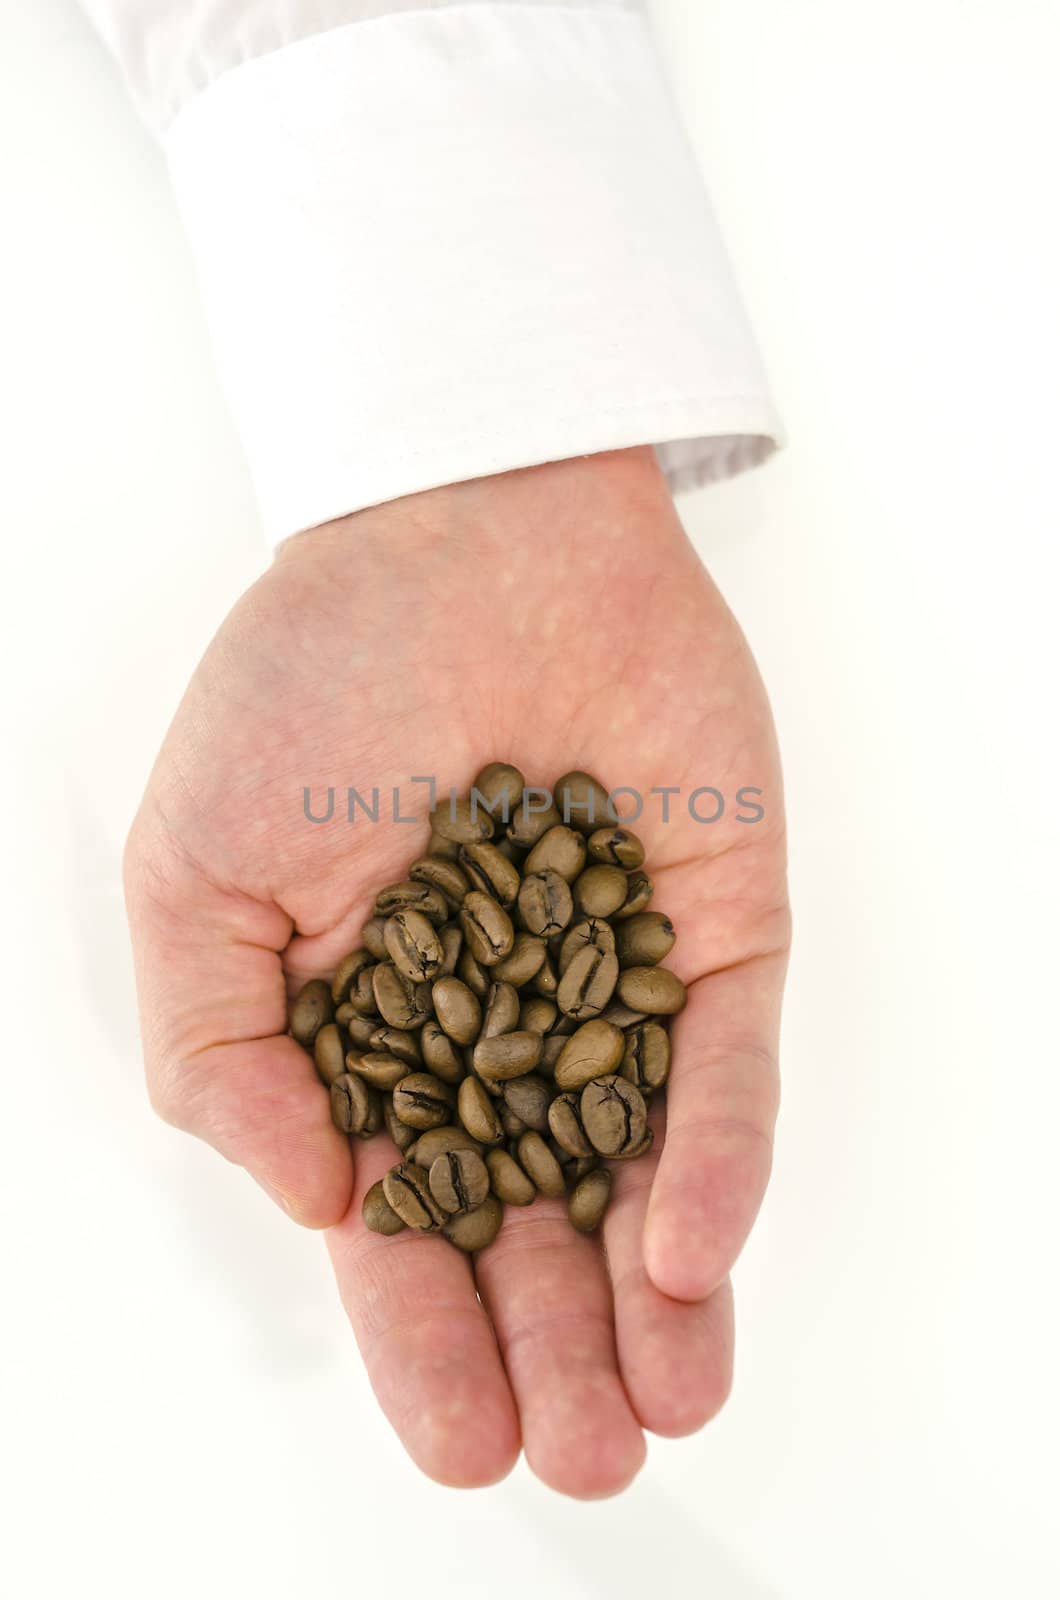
x=504 y=1018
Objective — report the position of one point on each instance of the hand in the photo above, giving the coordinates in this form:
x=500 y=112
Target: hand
x=555 y=618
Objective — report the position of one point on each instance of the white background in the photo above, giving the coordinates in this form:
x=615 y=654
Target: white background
x=186 y=1412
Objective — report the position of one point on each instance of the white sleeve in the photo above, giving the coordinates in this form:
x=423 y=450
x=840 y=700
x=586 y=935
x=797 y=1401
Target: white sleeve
x=438 y=241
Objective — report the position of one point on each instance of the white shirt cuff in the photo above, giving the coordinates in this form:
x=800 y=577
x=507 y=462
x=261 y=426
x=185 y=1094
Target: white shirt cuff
x=444 y=244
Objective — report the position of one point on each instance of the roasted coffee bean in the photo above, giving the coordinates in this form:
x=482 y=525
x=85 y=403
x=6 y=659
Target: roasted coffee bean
x=372 y=938
x=511 y=1125
x=477 y=1112
x=346 y=974
x=508 y=1180
x=525 y=960
x=476 y=1229
x=413 y=946
x=461 y=821
x=457 y=1010
x=574 y=1168
x=452 y=944
x=459 y=1180
x=440 y=1055
x=592 y=931
x=583 y=803
x=355 y=1107
x=561 y=850
x=490 y=872
x=508 y=1055
x=400 y=1002
x=588 y=1200
x=444 y=849
x=378 y=1213
x=424 y=1101
x=639 y=890
x=537 y=1014
x=621 y=1015
x=439 y=1141
x=473 y=973
x=487 y=928
x=528 y=1097
x=616 y=847
x=654 y=990
x=361 y=1030
x=532 y=818
x=311 y=1010
x=545 y=903
x=593 y=1051
x=541 y=1166
x=600 y=891
x=446 y=876
x=362 y=991
x=396 y=1042
x=565 y=1125
x=407 y=1191
x=410 y=896
x=613 y=1115
x=551 y=1050
x=343 y=1013
x=329 y=1052
x=646 y=1058
x=380 y=1070
x=501 y=1011
x=400 y=1132
x=644 y=940
x=588 y=983
x=500 y=787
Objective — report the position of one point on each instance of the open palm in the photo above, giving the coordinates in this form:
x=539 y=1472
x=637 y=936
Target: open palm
x=554 y=618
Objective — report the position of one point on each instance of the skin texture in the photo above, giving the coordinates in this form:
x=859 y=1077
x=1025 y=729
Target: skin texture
x=557 y=618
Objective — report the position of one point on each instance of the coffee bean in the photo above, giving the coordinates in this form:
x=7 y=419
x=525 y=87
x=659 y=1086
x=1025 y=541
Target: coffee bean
x=476 y=1229
x=646 y=1058
x=565 y=1125
x=546 y=983
x=413 y=946
x=471 y=972
x=588 y=983
x=643 y=940
x=588 y=1200
x=616 y=847
x=477 y=1112
x=561 y=850
x=508 y=1180
x=410 y=896
x=593 y=1051
x=613 y=1115
x=361 y=1030
x=396 y=1042
x=511 y=1125
x=545 y=903
x=621 y=1015
x=525 y=960
x=372 y=938
x=654 y=990
x=362 y=990
x=487 y=928
x=439 y=1141
x=377 y=1212
x=423 y=1101
x=440 y=1054
x=461 y=821
x=311 y=1010
x=446 y=876
x=400 y=1002
x=508 y=1055
x=532 y=819
x=457 y=1010
x=501 y=1011
x=400 y=1132
x=346 y=974
x=380 y=1070
x=407 y=1191
x=443 y=849
x=528 y=1098
x=552 y=1049
x=452 y=944
x=355 y=1107
x=583 y=803
x=600 y=891
x=490 y=872
x=574 y=1168
x=537 y=1014
x=501 y=787
x=329 y=1052
x=459 y=1180
x=594 y=931
x=639 y=890
x=541 y=1166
